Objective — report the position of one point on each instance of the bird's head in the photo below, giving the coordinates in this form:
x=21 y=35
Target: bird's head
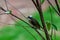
x=30 y=17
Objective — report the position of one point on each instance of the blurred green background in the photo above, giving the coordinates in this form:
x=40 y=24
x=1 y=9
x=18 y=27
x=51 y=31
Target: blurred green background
x=17 y=32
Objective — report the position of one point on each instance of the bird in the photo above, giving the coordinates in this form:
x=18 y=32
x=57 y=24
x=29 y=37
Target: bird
x=34 y=22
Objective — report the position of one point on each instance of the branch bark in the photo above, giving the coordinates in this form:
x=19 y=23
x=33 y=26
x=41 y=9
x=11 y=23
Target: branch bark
x=56 y=2
x=40 y=34
x=23 y=21
x=41 y=17
x=53 y=7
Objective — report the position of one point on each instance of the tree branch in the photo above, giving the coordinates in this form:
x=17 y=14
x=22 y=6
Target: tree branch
x=42 y=19
x=28 y=24
x=19 y=19
x=40 y=34
x=24 y=28
x=53 y=8
x=56 y=2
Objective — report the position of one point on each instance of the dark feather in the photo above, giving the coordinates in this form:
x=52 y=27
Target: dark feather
x=35 y=23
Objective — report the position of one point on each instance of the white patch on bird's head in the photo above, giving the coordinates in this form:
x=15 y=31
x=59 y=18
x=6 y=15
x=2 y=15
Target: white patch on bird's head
x=30 y=16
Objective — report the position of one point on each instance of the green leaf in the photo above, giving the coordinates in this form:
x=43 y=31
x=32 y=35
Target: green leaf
x=42 y=1
x=55 y=27
x=48 y=25
x=59 y=1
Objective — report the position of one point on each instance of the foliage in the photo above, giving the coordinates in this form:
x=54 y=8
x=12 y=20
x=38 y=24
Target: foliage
x=42 y=1
x=16 y=32
x=56 y=18
x=54 y=26
x=59 y=1
x=48 y=25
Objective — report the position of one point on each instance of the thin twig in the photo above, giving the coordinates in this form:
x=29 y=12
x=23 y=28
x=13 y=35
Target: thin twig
x=53 y=8
x=2 y=9
x=35 y=4
x=40 y=34
x=56 y=2
x=6 y=4
x=17 y=10
x=24 y=28
x=16 y=17
x=13 y=14
x=42 y=20
x=28 y=24
x=20 y=19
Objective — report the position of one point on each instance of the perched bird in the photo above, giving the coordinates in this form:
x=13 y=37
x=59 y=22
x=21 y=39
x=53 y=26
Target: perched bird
x=34 y=22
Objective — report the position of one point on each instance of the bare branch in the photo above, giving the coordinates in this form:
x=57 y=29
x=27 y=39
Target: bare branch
x=24 y=28
x=17 y=10
x=40 y=34
x=56 y=2
x=53 y=8
x=2 y=9
x=6 y=4
x=42 y=18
